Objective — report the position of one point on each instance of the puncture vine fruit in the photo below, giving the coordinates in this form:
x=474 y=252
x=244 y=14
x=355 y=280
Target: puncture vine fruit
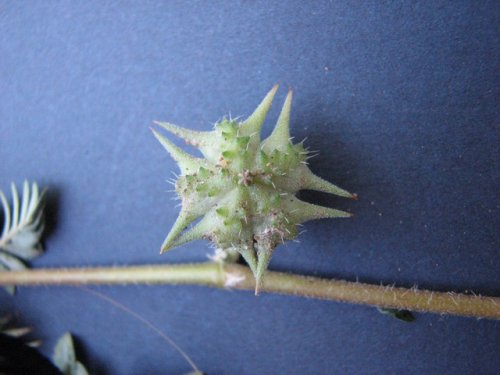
x=244 y=188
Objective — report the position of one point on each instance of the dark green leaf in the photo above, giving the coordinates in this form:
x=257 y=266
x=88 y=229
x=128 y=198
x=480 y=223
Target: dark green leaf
x=404 y=315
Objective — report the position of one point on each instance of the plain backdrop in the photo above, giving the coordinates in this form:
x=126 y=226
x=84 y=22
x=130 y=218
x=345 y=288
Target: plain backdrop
x=400 y=99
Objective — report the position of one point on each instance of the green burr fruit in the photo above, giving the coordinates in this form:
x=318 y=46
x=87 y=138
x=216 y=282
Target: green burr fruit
x=244 y=188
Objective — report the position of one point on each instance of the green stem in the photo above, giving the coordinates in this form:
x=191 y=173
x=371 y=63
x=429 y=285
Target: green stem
x=233 y=276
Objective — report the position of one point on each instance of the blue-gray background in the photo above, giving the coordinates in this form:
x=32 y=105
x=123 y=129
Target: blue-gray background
x=400 y=98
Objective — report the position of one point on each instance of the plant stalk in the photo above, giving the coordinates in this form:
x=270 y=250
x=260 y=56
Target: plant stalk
x=234 y=276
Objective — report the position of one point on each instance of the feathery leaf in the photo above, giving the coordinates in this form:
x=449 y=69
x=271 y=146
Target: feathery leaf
x=22 y=228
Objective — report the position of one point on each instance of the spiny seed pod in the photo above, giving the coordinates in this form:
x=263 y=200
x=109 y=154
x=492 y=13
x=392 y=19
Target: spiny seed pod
x=244 y=189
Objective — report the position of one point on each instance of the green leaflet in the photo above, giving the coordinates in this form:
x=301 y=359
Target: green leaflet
x=65 y=359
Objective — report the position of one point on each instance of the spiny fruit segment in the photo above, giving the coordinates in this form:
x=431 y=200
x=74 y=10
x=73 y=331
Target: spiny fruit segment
x=244 y=188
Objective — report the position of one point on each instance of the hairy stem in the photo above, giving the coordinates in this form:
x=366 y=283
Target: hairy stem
x=234 y=276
